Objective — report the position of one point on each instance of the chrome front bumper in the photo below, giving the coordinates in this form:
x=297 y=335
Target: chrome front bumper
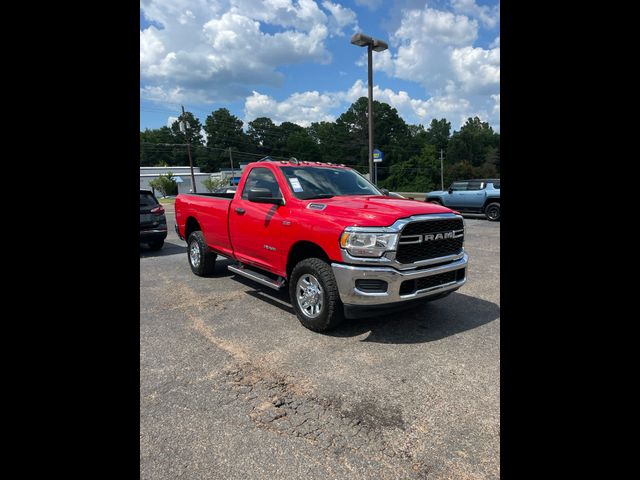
x=346 y=276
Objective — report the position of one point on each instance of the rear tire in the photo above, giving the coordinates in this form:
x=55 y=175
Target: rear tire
x=435 y=202
x=492 y=212
x=201 y=259
x=156 y=244
x=314 y=295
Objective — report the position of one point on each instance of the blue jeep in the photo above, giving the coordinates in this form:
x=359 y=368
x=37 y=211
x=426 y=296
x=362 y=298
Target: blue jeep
x=471 y=196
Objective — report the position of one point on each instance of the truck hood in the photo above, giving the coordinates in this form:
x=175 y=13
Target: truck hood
x=374 y=211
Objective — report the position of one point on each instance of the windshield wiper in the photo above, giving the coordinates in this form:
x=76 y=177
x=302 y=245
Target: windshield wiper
x=321 y=195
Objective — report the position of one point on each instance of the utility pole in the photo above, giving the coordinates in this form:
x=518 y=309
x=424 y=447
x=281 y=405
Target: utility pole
x=186 y=134
x=231 y=158
x=441 y=171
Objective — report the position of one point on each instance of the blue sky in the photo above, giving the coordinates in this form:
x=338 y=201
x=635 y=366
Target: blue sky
x=291 y=60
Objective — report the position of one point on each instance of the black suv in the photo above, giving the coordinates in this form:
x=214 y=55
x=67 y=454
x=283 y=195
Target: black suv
x=153 y=223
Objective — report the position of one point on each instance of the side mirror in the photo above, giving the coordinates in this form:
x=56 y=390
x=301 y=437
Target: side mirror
x=263 y=195
x=450 y=190
x=385 y=192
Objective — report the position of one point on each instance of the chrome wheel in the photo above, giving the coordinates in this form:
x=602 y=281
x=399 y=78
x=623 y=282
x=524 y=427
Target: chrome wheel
x=310 y=295
x=194 y=254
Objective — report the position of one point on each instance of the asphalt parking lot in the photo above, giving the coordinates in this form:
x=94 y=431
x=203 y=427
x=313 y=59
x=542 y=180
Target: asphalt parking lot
x=233 y=387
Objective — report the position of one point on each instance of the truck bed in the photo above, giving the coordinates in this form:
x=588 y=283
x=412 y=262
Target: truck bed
x=212 y=212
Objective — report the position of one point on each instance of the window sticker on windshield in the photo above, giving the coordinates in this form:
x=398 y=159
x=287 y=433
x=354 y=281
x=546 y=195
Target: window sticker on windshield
x=295 y=183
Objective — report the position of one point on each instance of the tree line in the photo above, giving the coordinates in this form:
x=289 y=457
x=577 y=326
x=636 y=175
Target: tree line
x=411 y=152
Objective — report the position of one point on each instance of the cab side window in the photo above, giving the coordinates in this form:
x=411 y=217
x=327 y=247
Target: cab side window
x=261 y=178
x=475 y=185
x=458 y=186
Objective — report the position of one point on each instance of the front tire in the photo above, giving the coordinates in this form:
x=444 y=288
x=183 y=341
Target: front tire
x=314 y=295
x=492 y=212
x=201 y=259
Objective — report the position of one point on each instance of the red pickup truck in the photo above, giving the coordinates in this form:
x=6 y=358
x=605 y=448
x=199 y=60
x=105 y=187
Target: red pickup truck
x=344 y=248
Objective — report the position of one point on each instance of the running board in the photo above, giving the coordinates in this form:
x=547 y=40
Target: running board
x=258 y=277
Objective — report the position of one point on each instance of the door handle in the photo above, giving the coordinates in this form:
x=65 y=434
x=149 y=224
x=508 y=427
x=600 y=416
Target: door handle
x=240 y=211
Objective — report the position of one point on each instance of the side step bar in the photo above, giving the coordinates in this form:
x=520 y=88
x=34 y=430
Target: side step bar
x=257 y=277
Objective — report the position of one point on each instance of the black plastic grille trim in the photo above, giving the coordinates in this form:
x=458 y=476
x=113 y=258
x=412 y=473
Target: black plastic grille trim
x=410 y=286
x=371 y=285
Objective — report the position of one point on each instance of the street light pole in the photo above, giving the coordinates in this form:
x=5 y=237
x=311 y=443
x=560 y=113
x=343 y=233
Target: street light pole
x=362 y=40
x=370 y=82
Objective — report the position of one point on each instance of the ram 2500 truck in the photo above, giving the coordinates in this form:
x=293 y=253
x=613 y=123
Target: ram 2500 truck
x=343 y=248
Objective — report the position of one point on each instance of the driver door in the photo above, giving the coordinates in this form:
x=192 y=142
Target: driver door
x=255 y=228
x=455 y=196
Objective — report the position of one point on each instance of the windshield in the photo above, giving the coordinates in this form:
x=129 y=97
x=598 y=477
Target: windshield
x=325 y=182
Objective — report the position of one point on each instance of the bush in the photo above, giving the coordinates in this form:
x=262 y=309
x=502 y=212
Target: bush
x=165 y=184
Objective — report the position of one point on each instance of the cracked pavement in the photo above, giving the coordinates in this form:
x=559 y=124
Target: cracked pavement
x=232 y=386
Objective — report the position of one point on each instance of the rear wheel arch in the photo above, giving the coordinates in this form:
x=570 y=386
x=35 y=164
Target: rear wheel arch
x=191 y=226
x=489 y=201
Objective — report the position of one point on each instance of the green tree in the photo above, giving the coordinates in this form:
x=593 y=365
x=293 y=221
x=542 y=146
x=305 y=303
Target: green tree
x=262 y=132
x=165 y=184
x=282 y=133
x=224 y=130
x=302 y=146
x=391 y=133
x=334 y=142
x=154 y=150
x=420 y=173
x=192 y=128
x=438 y=134
x=472 y=143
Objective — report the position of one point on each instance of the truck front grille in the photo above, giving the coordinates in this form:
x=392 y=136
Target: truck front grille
x=413 y=247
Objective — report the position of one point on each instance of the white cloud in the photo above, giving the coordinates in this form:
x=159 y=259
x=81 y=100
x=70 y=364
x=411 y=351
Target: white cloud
x=425 y=41
x=304 y=108
x=436 y=49
x=301 y=108
x=218 y=50
x=495 y=43
x=302 y=15
x=172 y=96
x=496 y=107
x=489 y=16
x=171 y=121
x=478 y=70
x=341 y=17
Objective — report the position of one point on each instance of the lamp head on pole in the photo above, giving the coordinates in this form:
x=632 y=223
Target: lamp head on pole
x=362 y=40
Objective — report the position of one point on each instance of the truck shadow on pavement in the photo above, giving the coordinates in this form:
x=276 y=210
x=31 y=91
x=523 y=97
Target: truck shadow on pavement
x=419 y=323
x=167 y=249
x=426 y=322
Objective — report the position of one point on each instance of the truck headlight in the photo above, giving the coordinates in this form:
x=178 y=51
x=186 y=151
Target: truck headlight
x=368 y=243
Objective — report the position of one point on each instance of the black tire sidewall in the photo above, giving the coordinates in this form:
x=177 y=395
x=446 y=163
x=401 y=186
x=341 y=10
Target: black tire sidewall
x=332 y=307
x=493 y=206
x=207 y=258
